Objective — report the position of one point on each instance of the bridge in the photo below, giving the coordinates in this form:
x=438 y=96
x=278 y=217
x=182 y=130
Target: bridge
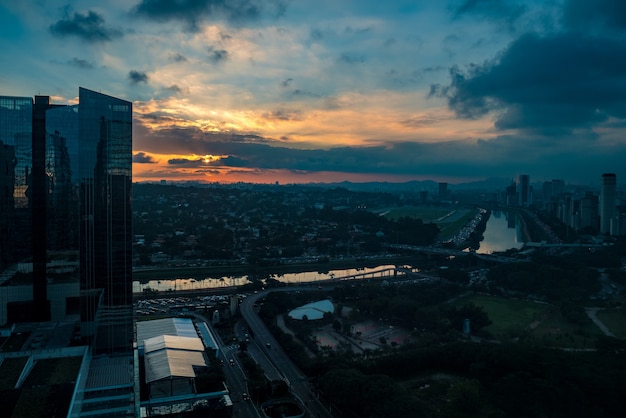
x=451 y=252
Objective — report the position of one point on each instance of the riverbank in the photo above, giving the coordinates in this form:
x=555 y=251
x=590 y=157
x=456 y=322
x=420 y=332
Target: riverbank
x=143 y=275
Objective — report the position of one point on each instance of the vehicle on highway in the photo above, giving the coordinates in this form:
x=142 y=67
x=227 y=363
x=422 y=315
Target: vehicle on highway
x=268 y=345
x=232 y=362
x=245 y=396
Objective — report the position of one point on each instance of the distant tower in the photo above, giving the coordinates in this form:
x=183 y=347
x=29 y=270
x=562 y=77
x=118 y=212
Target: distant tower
x=524 y=190
x=607 y=201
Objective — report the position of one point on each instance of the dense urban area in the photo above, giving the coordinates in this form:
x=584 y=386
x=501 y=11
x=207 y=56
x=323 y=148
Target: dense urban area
x=526 y=332
x=356 y=301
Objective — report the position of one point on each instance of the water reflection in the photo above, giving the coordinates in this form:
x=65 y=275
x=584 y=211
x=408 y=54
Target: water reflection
x=166 y=285
x=503 y=232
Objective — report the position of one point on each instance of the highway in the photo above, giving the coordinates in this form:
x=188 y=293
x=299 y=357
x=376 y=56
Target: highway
x=297 y=381
x=235 y=376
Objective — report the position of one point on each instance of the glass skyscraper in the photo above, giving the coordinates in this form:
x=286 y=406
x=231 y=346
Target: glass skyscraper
x=65 y=214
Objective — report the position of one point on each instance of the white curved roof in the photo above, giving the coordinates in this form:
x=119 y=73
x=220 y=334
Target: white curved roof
x=164 y=364
x=173 y=342
x=182 y=327
x=315 y=310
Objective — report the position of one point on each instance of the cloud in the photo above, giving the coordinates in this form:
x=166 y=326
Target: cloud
x=185 y=162
x=504 y=11
x=88 y=26
x=231 y=161
x=351 y=58
x=194 y=12
x=583 y=14
x=80 y=63
x=137 y=77
x=143 y=158
x=177 y=57
x=217 y=55
x=283 y=114
x=553 y=84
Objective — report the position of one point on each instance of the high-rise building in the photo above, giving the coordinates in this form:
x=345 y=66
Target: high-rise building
x=608 y=206
x=524 y=190
x=589 y=212
x=65 y=220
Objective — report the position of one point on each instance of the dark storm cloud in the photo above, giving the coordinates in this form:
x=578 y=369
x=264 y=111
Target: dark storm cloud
x=193 y=12
x=545 y=84
x=581 y=14
x=137 y=77
x=88 y=26
x=217 y=55
x=80 y=63
x=231 y=161
x=143 y=158
x=504 y=12
x=184 y=162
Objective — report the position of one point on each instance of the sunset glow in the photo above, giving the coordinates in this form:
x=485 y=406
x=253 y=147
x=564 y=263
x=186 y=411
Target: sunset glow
x=298 y=91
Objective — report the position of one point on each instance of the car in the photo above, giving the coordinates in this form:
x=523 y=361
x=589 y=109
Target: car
x=268 y=345
x=245 y=396
x=232 y=362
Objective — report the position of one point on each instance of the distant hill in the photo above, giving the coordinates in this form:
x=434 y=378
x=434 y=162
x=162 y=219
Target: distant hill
x=489 y=184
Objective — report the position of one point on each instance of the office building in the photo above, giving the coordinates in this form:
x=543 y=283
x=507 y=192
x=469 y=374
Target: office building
x=589 y=212
x=65 y=236
x=65 y=221
x=608 y=209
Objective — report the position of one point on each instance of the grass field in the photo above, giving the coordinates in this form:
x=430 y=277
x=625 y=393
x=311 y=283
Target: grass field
x=449 y=220
x=615 y=320
x=425 y=213
x=451 y=227
x=534 y=322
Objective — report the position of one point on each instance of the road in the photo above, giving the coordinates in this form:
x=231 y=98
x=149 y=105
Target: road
x=234 y=374
x=297 y=381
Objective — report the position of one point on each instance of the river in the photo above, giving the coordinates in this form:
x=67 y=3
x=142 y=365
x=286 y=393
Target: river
x=502 y=232
x=165 y=285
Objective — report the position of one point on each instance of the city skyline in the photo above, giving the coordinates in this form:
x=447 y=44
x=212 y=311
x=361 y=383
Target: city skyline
x=265 y=91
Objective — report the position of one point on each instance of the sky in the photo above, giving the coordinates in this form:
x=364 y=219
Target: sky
x=296 y=91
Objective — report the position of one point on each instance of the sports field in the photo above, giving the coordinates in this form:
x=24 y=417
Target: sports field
x=449 y=220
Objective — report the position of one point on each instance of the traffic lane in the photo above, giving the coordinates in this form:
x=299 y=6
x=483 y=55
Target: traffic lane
x=295 y=378
x=237 y=384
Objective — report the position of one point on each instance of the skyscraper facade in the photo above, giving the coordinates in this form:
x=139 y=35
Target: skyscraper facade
x=608 y=195
x=65 y=197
